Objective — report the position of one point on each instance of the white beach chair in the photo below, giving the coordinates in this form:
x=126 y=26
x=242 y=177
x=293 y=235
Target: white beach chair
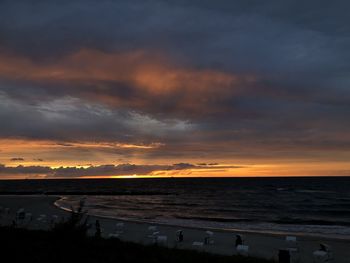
x=292 y=239
x=113 y=235
x=292 y=245
x=42 y=218
x=237 y=243
x=28 y=217
x=241 y=236
x=208 y=240
x=324 y=254
x=179 y=235
x=119 y=225
x=119 y=228
x=162 y=240
x=198 y=244
x=242 y=250
x=153 y=237
x=321 y=256
x=209 y=233
x=152 y=228
x=20 y=214
x=294 y=255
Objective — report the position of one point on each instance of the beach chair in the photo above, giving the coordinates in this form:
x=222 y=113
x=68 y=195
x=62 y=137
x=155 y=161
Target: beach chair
x=209 y=233
x=294 y=254
x=20 y=214
x=179 y=237
x=291 y=239
x=208 y=239
x=153 y=234
x=242 y=250
x=162 y=240
x=323 y=255
x=42 y=218
x=119 y=228
x=153 y=237
x=113 y=235
x=28 y=217
x=293 y=248
x=291 y=242
x=119 y=225
x=152 y=228
x=198 y=244
x=239 y=240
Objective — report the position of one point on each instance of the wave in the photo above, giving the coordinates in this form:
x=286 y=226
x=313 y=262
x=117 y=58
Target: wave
x=310 y=191
x=317 y=222
x=317 y=228
x=216 y=219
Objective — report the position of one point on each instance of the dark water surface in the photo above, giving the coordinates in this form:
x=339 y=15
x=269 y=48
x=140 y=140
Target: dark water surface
x=318 y=206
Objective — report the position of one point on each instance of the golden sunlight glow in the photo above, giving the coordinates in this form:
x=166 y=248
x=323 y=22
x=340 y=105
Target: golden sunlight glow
x=63 y=154
x=147 y=70
x=144 y=69
x=54 y=154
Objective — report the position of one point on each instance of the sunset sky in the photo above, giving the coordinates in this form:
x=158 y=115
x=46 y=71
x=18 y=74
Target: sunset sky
x=99 y=88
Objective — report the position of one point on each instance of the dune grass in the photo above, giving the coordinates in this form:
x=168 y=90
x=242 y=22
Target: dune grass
x=68 y=241
x=22 y=245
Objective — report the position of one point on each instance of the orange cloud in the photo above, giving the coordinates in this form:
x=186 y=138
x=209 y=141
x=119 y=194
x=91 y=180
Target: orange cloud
x=150 y=74
x=145 y=70
x=56 y=154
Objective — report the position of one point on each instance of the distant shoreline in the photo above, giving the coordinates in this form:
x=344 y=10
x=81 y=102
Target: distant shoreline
x=182 y=178
x=21 y=193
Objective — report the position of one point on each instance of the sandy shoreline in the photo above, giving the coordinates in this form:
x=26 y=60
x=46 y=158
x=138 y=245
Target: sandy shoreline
x=260 y=244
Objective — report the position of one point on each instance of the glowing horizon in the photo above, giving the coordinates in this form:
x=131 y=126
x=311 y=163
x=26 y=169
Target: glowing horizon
x=217 y=89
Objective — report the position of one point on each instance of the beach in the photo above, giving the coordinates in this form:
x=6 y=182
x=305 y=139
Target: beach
x=262 y=245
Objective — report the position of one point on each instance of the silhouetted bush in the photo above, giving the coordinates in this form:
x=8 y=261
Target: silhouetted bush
x=36 y=246
x=75 y=226
x=68 y=241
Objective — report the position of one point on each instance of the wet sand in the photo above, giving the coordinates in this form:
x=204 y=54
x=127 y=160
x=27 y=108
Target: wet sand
x=260 y=245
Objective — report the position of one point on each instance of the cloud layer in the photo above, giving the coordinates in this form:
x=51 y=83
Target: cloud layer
x=99 y=171
x=185 y=81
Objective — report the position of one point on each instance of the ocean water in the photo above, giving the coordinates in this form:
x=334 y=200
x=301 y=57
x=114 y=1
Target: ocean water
x=311 y=206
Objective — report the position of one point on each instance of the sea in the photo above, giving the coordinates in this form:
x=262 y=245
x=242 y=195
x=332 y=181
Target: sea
x=315 y=206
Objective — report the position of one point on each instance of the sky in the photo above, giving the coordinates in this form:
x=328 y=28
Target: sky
x=142 y=88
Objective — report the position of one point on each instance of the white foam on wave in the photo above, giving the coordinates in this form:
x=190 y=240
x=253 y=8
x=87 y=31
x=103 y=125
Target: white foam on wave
x=328 y=231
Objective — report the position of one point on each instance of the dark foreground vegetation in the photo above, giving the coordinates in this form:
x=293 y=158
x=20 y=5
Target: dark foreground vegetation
x=67 y=241
x=21 y=245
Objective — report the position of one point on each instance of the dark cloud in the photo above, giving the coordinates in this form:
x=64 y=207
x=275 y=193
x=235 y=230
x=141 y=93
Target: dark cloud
x=208 y=78
x=15 y=159
x=102 y=170
x=23 y=170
